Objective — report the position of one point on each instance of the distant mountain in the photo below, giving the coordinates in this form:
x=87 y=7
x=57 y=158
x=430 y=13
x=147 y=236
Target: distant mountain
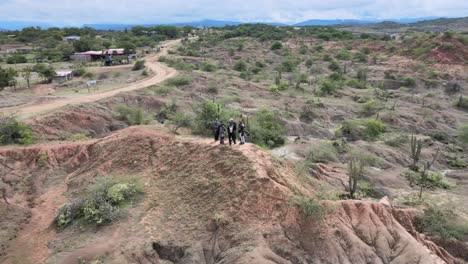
x=425 y=21
x=424 y=24
x=207 y=23
x=109 y=26
x=319 y=22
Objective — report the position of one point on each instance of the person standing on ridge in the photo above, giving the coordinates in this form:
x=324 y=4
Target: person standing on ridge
x=241 y=131
x=232 y=132
x=221 y=132
x=216 y=129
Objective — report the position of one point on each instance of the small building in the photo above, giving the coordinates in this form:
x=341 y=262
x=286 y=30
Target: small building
x=86 y=56
x=63 y=76
x=72 y=38
x=105 y=55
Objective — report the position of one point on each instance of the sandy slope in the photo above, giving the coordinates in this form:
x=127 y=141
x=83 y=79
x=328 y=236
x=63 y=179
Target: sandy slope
x=161 y=73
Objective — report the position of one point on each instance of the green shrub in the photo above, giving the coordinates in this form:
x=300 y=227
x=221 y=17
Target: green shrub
x=13 y=131
x=327 y=57
x=374 y=128
x=396 y=140
x=433 y=180
x=334 y=66
x=322 y=152
x=133 y=115
x=266 y=129
x=309 y=207
x=462 y=102
x=442 y=222
x=409 y=82
x=240 y=66
x=206 y=113
x=162 y=90
x=369 y=129
x=356 y=84
x=16 y=58
x=289 y=64
x=361 y=57
x=276 y=45
x=370 y=107
x=343 y=55
x=179 y=81
x=139 y=65
x=463 y=134
x=328 y=86
x=180 y=120
x=177 y=63
x=68 y=213
x=79 y=72
x=78 y=137
x=208 y=67
x=100 y=205
x=365 y=50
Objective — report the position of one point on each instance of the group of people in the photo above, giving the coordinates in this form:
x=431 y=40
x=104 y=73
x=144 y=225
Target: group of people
x=220 y=130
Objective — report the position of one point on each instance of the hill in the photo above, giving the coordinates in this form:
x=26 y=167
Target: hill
x=392 y=26
x=195 y=208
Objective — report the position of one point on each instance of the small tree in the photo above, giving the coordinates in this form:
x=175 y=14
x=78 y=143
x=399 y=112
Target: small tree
x=301 y=78
x=416 y=147
x=180 y=120
x=276 y=45
x=7 y=77
x=355 y=174
x=27 y=72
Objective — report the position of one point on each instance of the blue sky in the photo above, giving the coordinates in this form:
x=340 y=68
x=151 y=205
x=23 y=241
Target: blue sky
x=77 y=12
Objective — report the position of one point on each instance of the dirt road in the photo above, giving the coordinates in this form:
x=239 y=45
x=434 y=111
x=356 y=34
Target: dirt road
x=161 y=73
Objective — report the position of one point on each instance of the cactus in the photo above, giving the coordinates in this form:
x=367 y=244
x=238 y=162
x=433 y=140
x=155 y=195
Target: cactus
x=355 y=171
x=416 y=147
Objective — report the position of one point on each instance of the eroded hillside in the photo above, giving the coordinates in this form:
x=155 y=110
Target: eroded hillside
x=196 y=208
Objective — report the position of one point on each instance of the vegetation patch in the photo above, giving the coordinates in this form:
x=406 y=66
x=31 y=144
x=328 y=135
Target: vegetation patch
x=133 y=115
x=102 y=203
x=442 y=222
x=309 y=207
x=13 y=131
x=368 y=129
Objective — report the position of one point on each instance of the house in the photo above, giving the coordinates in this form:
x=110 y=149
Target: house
x=99 y=55
x=86 y=56
x=63 y=76
x=72 y=38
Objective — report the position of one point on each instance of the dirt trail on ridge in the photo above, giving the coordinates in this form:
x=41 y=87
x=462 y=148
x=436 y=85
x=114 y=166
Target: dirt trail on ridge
x=161 y=73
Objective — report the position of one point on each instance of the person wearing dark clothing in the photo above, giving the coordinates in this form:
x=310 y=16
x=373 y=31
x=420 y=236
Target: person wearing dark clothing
x=241 y=132
x=221 y=133
x=216 y=129
x=232 y=132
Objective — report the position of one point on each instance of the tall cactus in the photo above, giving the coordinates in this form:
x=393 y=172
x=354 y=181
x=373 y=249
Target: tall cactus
x=416 y=147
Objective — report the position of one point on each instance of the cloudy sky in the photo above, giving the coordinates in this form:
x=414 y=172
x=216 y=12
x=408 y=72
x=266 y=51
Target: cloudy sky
x=77 y=12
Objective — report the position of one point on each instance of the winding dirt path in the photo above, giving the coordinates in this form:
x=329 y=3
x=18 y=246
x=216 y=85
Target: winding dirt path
x=161 y=73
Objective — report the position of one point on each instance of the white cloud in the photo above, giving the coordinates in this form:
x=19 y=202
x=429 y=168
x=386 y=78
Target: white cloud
x=151 y=11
